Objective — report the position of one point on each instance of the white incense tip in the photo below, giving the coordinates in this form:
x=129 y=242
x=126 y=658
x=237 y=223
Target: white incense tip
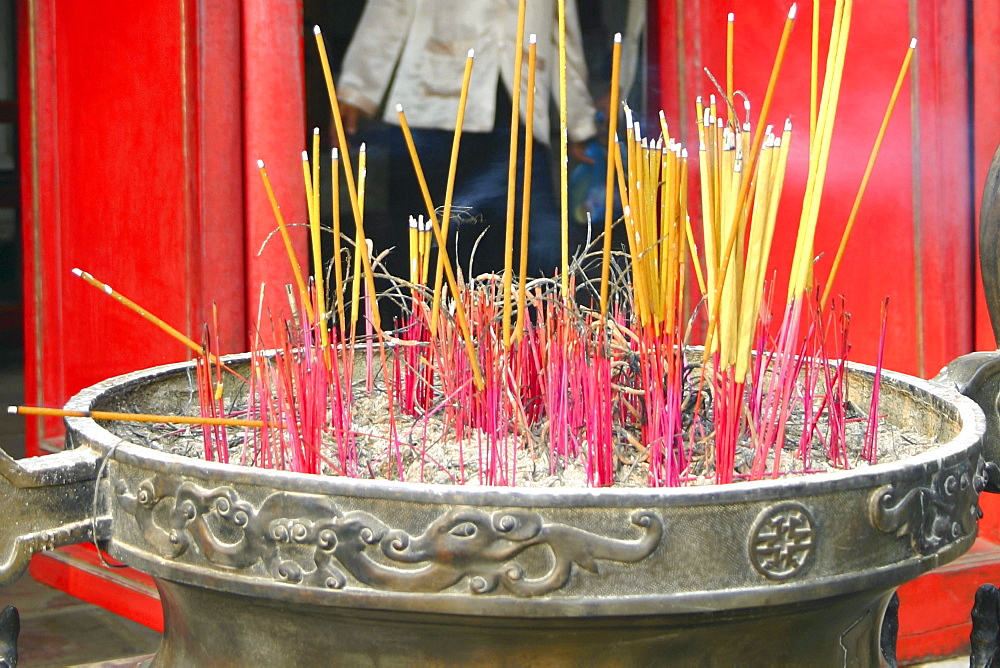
x=362 y=149
x=769 y=129
x=316 y=30
x=305 y=156
x=399 y=108
x=107 y=289
x=662 y=117
x=788 y=125
x=260 y=164
x=732 y=17
x=413 y=222
x=334 y=153
x=684 y=153
x=12 y=410
x=791 y=12
x=711 y=99
x=618 y=38
x=315 y=131
x=913 y=43
x=746 y=127
x=472 y=53
x=78 y=272
x=532 y=38
x=746 y=104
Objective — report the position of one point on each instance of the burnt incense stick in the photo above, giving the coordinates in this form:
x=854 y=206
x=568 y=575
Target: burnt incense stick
x=134 y=417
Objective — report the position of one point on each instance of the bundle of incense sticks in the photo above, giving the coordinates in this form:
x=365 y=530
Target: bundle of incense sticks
x=524 y=379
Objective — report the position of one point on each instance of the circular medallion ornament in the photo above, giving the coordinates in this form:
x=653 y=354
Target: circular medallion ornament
x=782 y=540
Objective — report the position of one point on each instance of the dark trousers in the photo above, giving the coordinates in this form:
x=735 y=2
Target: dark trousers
x=479 y=203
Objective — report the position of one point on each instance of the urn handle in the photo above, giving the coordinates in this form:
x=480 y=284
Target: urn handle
x=46 y=502
x=977 y=375
x=989 y=243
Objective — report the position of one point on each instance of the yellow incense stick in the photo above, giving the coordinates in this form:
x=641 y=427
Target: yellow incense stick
x=814 y=75
x=515 y=114
x=563 y=157
x=171 y=331
x=134 y=417
x=693 y=247
x=831 y=58
x=348 y=170
x=868 y=171
x=449 y=192
x=338 y=269
x=131 y=305
x=296 y=267
x=803 y=273
x=716 y=292
x=423 y=248
x=414 y=251
x=730 y=23
x=529 y=143
x=443 y=260
x=755 y=261
x=317 y=248
x=307 y=178
x=360 y=243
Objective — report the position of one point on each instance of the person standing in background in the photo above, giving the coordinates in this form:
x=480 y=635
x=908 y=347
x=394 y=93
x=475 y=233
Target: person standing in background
x=413 y=52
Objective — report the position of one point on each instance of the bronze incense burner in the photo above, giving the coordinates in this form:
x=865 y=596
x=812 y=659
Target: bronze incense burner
x=256 y=566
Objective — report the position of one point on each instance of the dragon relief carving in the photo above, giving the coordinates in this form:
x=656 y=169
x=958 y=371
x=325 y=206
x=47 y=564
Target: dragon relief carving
x=306 y=539
x=935 y=515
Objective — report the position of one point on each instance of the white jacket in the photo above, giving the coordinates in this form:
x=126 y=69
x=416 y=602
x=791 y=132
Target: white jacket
x=426 y=42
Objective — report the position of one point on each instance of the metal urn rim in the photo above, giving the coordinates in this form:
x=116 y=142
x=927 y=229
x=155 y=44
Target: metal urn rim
x=540 y=552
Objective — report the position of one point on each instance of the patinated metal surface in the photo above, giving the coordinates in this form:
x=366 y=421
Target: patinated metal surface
x=985 y=636
x=46 y=502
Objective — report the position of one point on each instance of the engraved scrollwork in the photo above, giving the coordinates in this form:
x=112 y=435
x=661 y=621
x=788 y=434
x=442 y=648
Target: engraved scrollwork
x=935 y=515
x=306 y=539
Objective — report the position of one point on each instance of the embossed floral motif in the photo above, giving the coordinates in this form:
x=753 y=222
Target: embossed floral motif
x=935 y=515
x=306 y=539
